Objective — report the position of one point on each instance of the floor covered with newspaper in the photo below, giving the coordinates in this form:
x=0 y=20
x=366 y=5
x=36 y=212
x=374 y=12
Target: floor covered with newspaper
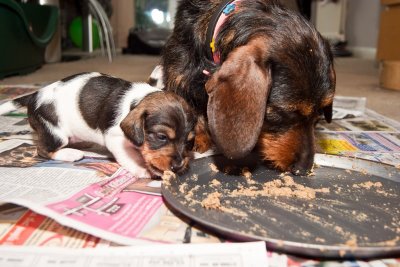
x=93 y=203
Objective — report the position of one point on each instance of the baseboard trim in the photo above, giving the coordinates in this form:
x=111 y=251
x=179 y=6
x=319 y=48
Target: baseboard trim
x=363 y=52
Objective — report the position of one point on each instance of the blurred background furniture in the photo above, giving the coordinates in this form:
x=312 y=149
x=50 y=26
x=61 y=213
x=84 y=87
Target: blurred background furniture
x=26 y=30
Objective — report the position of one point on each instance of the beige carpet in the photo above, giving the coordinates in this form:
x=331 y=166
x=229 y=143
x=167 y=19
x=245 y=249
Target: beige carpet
x=355 y=77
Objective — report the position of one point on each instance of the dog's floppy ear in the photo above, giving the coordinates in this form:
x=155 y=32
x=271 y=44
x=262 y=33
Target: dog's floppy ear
x=328 y=113
x=238 y=94
x=328 y=110
x=133 y=126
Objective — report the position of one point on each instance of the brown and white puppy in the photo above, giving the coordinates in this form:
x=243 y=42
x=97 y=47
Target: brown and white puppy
x=261 y=74
x=147 y=130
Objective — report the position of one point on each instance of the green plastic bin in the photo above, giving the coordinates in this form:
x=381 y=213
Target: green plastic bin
x=25 y=31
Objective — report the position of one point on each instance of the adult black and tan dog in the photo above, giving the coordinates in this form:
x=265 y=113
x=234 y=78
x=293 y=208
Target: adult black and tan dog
x=259 y=73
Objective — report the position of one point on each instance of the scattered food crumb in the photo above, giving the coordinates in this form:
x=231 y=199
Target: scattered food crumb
x=215 y=182
x=195 y=177
x=167 y=176
x=368 y=185
x=285 y=186
x=183 y=187
x=213 y=167
x=212 y=201
x=352 y=242
x=246 y=173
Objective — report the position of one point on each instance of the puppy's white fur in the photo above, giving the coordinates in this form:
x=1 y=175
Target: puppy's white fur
x=156 y=77
x=72 y=127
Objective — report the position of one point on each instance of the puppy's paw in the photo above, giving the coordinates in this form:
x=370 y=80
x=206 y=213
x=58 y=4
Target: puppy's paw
x=139 y=172
x=67 y=154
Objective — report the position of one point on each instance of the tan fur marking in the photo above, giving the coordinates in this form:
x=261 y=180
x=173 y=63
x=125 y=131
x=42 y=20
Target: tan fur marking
x=280 y=149
x=161 y=158
x=202 y=141
x=190 y=136
x=327 y=101
x=304 y=108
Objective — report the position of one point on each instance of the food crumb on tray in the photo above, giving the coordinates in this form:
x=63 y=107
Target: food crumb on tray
x=213 y=167
x=215 y=182
x=167 y=176
x=285 y=187
x=368 y=185
x=246 y=173
x=212 y=201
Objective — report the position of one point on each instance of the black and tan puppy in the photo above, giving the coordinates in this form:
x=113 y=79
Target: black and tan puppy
x=261 y=75
x=147 y=130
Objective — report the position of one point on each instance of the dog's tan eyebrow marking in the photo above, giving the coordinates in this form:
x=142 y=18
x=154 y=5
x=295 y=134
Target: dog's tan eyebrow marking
x=305 y=108
x=327 y=101
x=191 y=136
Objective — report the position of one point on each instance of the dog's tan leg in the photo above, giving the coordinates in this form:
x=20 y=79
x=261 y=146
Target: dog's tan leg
x=202 y=140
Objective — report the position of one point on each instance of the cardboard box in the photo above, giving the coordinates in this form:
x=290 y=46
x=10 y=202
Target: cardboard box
x=390 y=75
x=390 y=2
x=389 y=31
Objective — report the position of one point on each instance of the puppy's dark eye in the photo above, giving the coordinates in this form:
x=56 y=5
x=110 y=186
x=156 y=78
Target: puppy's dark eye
x=162 y=137
x=189 y=144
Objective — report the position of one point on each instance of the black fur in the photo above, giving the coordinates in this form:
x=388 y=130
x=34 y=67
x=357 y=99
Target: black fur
x=71 y=77
x=99 y=100
x=24 y=101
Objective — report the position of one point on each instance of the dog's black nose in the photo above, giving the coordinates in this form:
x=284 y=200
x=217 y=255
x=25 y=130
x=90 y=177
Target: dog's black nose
x=300 y=172
x=304 y=164
x=177 y=165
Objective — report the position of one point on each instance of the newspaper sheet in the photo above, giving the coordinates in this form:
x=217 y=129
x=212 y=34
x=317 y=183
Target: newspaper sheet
x=8 y=92
x=368 y=135
x=92 y=195
x=250 y=254
x=20 y=226
x=345 y=107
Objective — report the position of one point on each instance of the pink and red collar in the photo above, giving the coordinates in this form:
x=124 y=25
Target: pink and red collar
x=224 y=10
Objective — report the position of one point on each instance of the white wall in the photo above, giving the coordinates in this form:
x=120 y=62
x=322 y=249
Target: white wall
x=362 y=27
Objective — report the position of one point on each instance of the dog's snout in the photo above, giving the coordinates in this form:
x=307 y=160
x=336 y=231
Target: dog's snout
x=304 y=162
x=304 y=159
x=177 y=164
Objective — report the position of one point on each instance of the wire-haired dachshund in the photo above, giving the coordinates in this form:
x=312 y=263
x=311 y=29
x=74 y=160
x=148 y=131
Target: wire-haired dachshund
x=261 y=74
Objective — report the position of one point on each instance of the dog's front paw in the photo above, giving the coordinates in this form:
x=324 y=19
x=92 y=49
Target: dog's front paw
x=67 y=154
x=140 y=172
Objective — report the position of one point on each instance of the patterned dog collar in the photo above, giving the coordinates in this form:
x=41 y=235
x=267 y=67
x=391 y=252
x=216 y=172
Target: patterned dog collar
x=217 y=20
